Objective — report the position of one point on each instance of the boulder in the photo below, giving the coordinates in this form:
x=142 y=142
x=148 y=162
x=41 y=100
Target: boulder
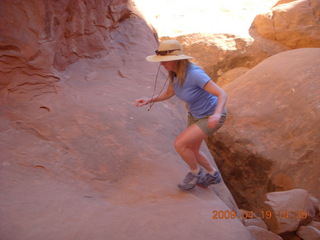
x=315 y=224
x=219 y=53
x=263 y=234
x=308 y=233
x=258 y=222
x=285 y=211
x=316 y=203
x=270 y=139
x=295 y=24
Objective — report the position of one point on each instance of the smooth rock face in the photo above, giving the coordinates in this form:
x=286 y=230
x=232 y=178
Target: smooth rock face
x=78 y=161
x=315 y=224
x=270 y=141
x=288 y=210
x=263 y=234
x=231 y=75
x=309 y=233
x=295 y=24
x=257 y=222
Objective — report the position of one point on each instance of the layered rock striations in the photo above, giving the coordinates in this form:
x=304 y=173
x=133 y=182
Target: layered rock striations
x=39 y=39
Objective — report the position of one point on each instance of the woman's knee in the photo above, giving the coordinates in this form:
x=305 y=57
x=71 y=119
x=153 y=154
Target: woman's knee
x=178 y=144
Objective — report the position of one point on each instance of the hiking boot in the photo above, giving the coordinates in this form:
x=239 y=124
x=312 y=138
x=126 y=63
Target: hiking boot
x=208 y=179
x=189 y=181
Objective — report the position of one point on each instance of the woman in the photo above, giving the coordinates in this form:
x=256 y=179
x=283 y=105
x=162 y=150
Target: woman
x=206 y=106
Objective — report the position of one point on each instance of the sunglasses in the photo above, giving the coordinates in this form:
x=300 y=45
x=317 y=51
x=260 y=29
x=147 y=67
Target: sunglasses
x=163 y=53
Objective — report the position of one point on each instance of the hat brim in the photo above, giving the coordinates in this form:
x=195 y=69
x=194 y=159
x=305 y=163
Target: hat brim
x=167 y=58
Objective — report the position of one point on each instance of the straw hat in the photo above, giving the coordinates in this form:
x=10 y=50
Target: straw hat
x=168 y=50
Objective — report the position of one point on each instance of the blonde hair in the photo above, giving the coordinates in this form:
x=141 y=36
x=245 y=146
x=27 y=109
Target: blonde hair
x=180 y=73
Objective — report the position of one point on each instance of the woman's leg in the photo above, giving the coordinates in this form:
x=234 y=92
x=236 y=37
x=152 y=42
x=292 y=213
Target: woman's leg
x=213 y=176
x=202 y=159
x=188 y=143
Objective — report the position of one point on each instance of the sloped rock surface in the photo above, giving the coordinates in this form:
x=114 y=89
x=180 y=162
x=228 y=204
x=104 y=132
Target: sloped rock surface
x=270 y=141
x=78 y=160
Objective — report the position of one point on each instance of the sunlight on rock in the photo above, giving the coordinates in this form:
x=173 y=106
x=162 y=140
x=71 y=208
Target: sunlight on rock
x=180 y=17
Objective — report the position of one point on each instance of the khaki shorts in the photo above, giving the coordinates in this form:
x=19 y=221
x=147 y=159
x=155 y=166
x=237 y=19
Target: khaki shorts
x=203 y=123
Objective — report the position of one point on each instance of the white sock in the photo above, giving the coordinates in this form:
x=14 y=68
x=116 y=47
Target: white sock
x=195 y=171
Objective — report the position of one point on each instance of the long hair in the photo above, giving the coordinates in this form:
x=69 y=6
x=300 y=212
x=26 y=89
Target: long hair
x=180 y=73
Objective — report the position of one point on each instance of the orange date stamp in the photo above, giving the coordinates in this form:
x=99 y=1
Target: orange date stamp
x=226 y=214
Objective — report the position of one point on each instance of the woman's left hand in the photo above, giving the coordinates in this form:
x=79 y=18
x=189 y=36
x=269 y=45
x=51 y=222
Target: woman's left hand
x=214 y=120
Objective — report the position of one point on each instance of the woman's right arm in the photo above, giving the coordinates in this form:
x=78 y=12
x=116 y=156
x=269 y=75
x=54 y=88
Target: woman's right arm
x=161 y=97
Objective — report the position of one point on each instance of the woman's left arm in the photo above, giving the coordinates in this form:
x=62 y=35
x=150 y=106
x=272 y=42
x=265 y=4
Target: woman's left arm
x=214 y=89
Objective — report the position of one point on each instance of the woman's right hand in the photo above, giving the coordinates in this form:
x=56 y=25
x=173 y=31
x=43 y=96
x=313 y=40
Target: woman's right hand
x=141 y=102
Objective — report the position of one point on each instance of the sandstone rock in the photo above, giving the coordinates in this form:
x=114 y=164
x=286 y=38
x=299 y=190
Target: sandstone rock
x=262 y=234
x=78 y=160
x=288 y=210
x=231 y=75
x=295 y=24
x=219 y=53
x=60 y=33
x=270 y=140
x=258 y=222
x=315 y=224
x=316 y=203
x=308 y=233
x=283 y=1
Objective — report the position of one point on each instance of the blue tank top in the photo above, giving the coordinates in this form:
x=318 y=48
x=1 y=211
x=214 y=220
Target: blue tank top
x=199 y=101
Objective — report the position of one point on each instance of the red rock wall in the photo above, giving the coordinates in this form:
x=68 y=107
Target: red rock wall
x=40 y=38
